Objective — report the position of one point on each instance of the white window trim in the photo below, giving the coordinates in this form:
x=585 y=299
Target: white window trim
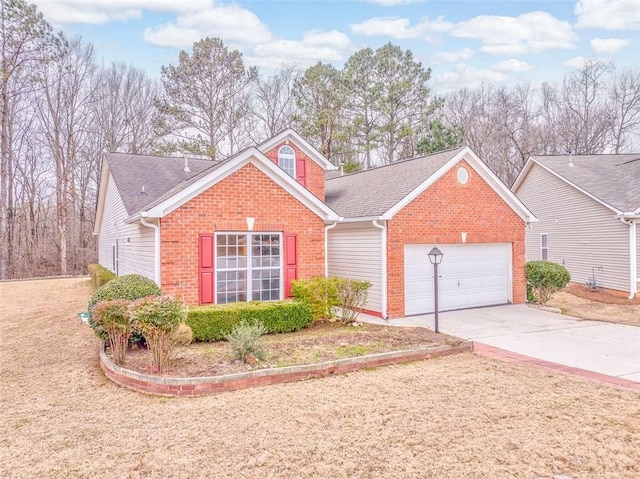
x=288 y=156
x=543 y=248
x=249 y=269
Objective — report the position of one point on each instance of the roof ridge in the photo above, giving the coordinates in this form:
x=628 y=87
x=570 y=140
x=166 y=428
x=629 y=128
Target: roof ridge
x=401 y=161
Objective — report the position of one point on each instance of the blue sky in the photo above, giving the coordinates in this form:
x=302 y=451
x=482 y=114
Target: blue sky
x=465 y=43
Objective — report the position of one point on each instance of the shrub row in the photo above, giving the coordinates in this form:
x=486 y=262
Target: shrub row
x=100 y=275
x=213 y=323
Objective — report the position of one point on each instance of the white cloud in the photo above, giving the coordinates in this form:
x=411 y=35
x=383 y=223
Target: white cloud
x=60 y=12
x=531 y=32
x=393 y=3
x=608 y=45
x=333 y=38
x=577 y=62
x=229 y=22
x=608 y=14
x=512 y=65
x=465 y=76
x=453 y=57
x=401 y=28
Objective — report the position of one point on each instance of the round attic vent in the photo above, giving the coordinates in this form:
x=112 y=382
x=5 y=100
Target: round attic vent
x=463 y=175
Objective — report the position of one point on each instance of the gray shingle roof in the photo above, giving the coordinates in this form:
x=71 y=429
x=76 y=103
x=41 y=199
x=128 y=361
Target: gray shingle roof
x=373 y=192
x=157 y=174
x=614 y=179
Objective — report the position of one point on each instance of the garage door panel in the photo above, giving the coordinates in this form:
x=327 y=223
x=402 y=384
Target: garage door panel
x=471 y=275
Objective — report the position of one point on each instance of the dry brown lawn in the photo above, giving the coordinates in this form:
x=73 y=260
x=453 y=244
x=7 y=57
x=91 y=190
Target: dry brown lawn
x=577 y=300
x=456 y=417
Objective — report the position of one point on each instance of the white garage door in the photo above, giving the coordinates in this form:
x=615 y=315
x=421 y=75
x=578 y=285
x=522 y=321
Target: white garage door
x=470 y=275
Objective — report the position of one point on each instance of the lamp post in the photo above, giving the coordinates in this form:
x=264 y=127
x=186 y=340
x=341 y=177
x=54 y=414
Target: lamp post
x=435 y=257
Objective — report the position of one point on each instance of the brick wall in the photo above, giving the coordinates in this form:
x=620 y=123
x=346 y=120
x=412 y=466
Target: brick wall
x=315 y=173
x=224 y=207
x=440 y=214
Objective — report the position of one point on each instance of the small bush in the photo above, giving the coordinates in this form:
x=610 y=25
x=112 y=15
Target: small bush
x=114 y=319
x=131 y=287
x=212 y=323
x=352 y=294
x=100 y=275
x=156 y=317
x=247 y=338
x=545 y=278
x=182 y=335
x=320 y=293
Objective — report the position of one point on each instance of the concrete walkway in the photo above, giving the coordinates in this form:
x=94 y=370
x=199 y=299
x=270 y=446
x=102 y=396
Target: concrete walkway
x=604 y=348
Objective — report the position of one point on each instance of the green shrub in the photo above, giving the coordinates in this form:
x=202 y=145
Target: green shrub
x=352 y=294
x=100 y=275
x=247 y=338
x=114 y=318
x=182 y=335
x=156 y=317
x=545 y=278
x=212 y=323
x=131 y=287
x=320 y=293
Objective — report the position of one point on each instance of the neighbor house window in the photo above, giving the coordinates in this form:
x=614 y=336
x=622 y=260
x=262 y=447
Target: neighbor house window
x=287 y=160
x=544 y=246
x=248 y=267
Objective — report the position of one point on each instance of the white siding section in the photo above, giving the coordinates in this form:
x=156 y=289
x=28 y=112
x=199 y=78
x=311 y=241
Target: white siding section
x=583 y=234
x=137 y=257
x=355 y=252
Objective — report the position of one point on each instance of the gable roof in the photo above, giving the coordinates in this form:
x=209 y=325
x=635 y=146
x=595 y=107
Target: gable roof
x=382 y=192
x=612 y=180
x=142 y=179
x=304 y=145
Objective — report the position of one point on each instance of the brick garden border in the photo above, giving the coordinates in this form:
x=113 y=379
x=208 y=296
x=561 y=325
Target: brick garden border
x=199 y=386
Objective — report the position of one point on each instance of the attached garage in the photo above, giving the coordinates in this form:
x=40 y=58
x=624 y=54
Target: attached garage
x=471 y=275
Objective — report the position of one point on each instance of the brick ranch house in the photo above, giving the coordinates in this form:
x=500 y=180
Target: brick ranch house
x=243 y=228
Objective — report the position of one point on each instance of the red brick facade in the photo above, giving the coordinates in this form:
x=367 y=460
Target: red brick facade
x=224 y=207
x=439 y=215
x=315 y=173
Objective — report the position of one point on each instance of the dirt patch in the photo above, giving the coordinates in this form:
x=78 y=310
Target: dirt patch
x=578 y=301
x=322 y=341
x=453 y=417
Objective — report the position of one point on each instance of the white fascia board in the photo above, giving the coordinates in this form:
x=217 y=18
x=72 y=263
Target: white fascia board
x=361 y=219
x=523 y=172
x=479 y=167
x=105 y=173
x=303 y=144
x=257 y=158
x=581 y=190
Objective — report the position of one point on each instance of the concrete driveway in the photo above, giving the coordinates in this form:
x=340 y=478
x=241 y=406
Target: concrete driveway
x=605 y=348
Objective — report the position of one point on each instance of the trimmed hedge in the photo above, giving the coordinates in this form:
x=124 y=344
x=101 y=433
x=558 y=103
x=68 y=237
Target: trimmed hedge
x=545 y=278
x=100 y=275
x=213 y=323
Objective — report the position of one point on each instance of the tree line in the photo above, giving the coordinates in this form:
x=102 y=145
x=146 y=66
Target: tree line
x=61 y=111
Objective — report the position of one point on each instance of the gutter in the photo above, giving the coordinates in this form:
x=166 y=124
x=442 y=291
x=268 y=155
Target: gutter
x=156 y=252
x=326 y=247
x=383 y=265
x=631 y=221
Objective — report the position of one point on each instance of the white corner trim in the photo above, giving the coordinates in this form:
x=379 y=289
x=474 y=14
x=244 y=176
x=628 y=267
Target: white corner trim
x=257 y=158
x=481 y=169
x=301 y=143
x=383 y=264
x=633 y=256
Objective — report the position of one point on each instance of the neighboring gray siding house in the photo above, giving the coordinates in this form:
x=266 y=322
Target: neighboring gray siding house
x=588 y=207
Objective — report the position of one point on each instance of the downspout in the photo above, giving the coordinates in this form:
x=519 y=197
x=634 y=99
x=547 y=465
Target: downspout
x=633 y=257
x=326 y=247
x=383 y=265
x=156 y=249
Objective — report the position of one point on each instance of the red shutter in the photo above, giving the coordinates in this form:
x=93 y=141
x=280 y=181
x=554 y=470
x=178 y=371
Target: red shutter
x=301 y=171
x=206 y=269
x=290 y=261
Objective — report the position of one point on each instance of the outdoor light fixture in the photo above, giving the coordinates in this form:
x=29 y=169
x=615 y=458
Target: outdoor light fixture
x=435 y=257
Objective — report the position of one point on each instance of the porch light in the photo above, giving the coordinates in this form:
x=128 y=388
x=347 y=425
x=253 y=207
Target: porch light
x=435 y=257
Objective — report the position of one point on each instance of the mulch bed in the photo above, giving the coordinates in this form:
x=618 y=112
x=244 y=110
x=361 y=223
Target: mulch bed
x=599 y=295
